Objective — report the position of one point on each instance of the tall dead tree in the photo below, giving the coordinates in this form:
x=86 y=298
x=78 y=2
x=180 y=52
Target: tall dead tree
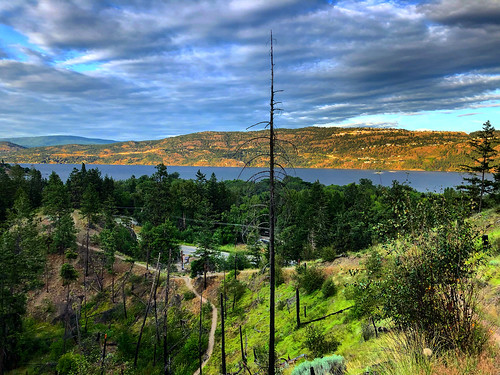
x=275 y=149
x=272 y=220
x=223 y=343
x=200 y=354
x=148 y=307
x=166 y=358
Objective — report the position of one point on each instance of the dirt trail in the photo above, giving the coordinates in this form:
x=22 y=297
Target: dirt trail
x=211 y=337
x=189 y=284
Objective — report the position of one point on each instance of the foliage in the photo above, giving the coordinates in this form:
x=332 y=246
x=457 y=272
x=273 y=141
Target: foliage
x=64 y=235
x=55 y=198
x=331 y=365
x=239 y=259
x=328 y=253
x=482 y=156
x=310 y=278
x=21 y=261
x=317 y=343
x=430 y=285
x=68 y=273
x=68 y=364
x=329 y=288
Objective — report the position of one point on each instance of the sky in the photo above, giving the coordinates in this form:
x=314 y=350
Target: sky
x=150 y=69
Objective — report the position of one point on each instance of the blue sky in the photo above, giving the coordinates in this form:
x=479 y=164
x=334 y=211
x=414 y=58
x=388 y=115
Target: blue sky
x=149 y=69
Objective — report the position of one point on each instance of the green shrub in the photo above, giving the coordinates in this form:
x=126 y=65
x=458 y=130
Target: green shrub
x=242 y=261
x=425 y=283
x=317 y=343
x=279 y=275
x=68 y=364
x=56 y=349
x=374 y=263
x=329 y=253
x=310 y=278
x=367 y=331
x=329 y=288
x=331 y=365
x=189 y=295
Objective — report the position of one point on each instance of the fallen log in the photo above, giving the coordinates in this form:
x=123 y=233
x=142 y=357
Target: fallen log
x=326 y=316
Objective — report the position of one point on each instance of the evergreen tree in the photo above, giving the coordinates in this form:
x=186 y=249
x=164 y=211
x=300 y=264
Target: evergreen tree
x=64 y=235
x=21 y=261
x=56 y=200
x=483 y=156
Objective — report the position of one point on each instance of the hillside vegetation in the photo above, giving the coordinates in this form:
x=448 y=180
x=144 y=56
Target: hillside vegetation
x=385 y=280
x=313 y=147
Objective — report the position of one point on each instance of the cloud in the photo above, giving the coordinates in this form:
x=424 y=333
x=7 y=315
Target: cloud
x=468 y=114
x=367 y=124
x=477 y=13
x=148 y=69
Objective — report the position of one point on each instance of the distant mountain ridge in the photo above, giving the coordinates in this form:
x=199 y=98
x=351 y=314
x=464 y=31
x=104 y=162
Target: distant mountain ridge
x=54 y=140
x=314 y=147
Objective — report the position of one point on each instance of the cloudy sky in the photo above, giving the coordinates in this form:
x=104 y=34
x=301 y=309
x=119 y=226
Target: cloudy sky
x=148 y=69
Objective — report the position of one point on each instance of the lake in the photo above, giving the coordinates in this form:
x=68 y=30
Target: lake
x=419 y=180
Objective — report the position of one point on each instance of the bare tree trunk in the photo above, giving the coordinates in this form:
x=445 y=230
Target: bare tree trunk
x=104 y=353
x=112 y=286
x=223 y=347
x=166 y=359
x=374 y=326
x=155 y=308
x=297 y=306
x=235 y=268
x=482 y=192
x=148 y=306
x=243 y=358
x=87 y=253
x=272 y=356
x=124 y=299
x=205 y=275
x=199 y=334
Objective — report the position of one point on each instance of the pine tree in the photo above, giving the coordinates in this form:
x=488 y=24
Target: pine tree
x=483 y=156
x=21 y=261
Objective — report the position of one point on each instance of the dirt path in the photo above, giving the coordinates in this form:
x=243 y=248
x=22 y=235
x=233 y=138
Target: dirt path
x=211 y=337
x=189 y=284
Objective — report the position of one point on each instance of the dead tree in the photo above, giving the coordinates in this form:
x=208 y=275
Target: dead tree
x=199 y=334
x=223 y=344
x=166 y=359
x=148 y=306
x=272 y=220
x=297 y=306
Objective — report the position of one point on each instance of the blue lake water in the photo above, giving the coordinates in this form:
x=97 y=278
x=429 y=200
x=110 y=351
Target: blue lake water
x=419 y=180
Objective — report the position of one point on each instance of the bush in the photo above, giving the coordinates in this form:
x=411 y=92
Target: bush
x=373 y=263
x=189 y=295
x=333 y=365
x=242 y=262
x=329 y=253
x=317 y=343
x=68 y=364
x=329 y=288
x=310 y=278
x=431 y=285
x=367 y=331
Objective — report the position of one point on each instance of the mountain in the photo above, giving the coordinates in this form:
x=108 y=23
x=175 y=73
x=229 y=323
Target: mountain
x=312 y=147
x=54 y=140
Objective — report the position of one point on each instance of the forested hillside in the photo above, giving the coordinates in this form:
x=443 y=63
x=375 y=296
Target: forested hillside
x=359 y=267
x=311 y=147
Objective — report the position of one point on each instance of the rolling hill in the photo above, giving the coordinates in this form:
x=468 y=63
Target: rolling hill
x=312 y=147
